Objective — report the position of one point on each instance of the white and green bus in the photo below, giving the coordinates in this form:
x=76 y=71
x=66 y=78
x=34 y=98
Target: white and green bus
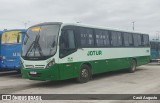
x=59 y=51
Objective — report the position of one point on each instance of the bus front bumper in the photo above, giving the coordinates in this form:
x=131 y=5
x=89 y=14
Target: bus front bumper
x=40 y=74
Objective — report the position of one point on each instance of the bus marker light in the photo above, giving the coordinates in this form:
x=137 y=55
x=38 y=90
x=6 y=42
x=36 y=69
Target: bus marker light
x=36 y=29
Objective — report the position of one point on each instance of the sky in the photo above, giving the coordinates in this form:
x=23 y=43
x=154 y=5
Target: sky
x=113 y=14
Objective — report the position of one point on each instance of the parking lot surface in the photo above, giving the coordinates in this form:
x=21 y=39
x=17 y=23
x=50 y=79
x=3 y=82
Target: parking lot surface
x=146 y=80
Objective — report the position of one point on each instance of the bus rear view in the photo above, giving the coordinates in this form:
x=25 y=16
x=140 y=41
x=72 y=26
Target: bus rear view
x=11 y=44
x=155 y=50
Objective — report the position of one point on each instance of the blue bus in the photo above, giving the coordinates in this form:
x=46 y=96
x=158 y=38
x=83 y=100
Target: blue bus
x=0 y=47
x=155 y=50
x=11 y=44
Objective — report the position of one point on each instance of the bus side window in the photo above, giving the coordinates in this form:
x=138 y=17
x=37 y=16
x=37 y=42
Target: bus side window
x=130 y=40
x=119 y=39
x=114 y=38
x=99 y=38
x=67 y=43
x=145 y=40
x=126 y=39
x=86 y=37
x=135 y=39
x=106 y=39
x=102 y=38
x=139 y=40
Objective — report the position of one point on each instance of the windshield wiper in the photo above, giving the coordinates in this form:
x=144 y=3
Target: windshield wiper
x=38 y=46
x=31 y=46
x=35 y=45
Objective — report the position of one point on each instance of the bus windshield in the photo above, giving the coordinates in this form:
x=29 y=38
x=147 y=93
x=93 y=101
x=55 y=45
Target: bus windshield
x=11 y=37
x=40 y=41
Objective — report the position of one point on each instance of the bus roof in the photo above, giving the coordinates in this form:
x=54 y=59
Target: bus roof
x=100 y=27
x=155 y=40
x=1 y=32
x=85 y=25
x=22 y=30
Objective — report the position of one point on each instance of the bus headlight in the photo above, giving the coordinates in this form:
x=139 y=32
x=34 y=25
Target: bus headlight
x=50 y=64
x=21 y=64
x=4 y=57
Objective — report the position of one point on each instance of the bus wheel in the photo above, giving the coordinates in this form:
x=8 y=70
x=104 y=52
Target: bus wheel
x=85 y=74
x=132 y=68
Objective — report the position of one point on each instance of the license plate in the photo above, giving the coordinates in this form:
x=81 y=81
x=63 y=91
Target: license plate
x=32 y=72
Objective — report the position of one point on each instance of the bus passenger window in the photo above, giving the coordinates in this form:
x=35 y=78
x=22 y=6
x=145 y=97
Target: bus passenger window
x=139 y=40
x=130 y=39
x=114 y=38
x=126 y=39
x=145 y=40
x=119 y=39
x=86 y=37
x=102 y=38
x=135 y=39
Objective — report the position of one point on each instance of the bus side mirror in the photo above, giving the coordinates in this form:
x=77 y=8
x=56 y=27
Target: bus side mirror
x=18 y=38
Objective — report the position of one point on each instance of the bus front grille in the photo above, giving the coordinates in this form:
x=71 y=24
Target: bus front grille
x=35 y=66
x=29 y=66
x=39 y=66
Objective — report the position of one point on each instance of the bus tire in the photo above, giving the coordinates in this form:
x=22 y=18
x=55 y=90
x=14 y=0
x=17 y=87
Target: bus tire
x=133 y=65
x=84 y=74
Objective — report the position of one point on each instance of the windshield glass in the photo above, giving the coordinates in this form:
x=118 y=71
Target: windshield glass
x=40 y=41
x=11 y=37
